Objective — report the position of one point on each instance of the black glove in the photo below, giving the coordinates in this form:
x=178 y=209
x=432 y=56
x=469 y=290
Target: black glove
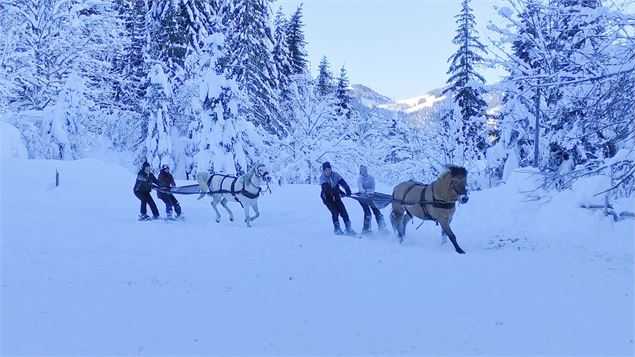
x=348 y=193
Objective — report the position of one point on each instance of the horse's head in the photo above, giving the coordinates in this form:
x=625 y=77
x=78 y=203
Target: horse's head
x=458 y=182
x=261 y=172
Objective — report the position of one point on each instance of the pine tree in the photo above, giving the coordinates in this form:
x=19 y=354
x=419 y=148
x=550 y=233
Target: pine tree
x=518 y=115
x=250 y=59
x=343 y=95
x=574 y=32
x=222 y=140
x=158 y=143
x=52 y=39
x=168 y=41
x=196 y=21
x=282 y=62
x=466 y=84
x=297 y=43
x=130 y=63
x=325 y=85
x=281 y=54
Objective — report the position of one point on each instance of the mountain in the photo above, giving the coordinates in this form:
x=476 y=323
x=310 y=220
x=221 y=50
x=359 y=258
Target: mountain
x=368 y=97
x=421 y=103
x=413 y=110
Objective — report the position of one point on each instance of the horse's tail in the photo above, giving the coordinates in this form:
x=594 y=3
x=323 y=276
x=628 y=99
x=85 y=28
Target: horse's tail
x=202 y=178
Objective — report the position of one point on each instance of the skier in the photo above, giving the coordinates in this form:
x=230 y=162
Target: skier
x=166 y=181
x=331 y=197
x=366 y=184
x=142 y=188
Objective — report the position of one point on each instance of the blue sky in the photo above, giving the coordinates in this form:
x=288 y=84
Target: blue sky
x=399 y=48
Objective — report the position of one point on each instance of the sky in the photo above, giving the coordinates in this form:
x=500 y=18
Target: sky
x=399 y=48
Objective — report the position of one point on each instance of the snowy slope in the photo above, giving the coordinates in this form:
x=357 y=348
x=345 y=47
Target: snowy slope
x=412 y=105
x=80 y=276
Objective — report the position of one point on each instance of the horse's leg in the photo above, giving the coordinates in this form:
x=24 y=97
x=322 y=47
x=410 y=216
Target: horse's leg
x=215 y=201
x=404 y=223
x=446 y=228
x=246 y=206
x=223 y=202
x=444 y=236
x=254 y=206
x=397 y=219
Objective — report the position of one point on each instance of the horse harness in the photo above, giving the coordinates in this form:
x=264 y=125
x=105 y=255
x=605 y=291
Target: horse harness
x=436 y=201
x=232 y=191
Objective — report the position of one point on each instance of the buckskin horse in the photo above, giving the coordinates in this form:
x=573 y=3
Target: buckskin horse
x=244 y=189
x=435 y=201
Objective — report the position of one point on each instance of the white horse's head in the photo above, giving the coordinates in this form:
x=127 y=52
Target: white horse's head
x=260 y=170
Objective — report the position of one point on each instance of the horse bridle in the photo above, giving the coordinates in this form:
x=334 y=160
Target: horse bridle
x=458 y=195
x=262 y=178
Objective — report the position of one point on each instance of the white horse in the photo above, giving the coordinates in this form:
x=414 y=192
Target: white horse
x=245 y=189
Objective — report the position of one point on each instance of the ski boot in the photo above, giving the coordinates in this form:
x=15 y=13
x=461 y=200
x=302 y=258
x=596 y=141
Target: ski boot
x=336 y=229
x=366 y=229
x=349 y=230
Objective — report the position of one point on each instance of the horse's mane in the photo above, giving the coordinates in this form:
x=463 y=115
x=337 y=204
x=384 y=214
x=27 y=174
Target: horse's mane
x=452 y=171
x=250 y=173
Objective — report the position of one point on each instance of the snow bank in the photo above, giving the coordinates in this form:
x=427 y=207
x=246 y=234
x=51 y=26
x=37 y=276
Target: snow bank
x=11 y=146
x=587 y=190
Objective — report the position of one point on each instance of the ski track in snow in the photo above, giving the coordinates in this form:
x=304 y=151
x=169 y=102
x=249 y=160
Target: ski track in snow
x=80 y=275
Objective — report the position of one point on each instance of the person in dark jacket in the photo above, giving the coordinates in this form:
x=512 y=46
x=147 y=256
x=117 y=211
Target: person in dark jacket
x=331 y=197
x=166 y=181
x=366 y=185
x=142 y=188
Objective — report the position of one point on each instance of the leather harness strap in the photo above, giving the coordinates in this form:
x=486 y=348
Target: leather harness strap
x=436 y=203
x=243 y=191
x=422 y=201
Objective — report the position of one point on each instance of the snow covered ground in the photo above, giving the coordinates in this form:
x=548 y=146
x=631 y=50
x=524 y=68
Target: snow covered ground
x=81 y=276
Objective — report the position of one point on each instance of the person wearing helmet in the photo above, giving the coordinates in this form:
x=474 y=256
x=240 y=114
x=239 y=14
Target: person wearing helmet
x=142 y=188
x=166 y=181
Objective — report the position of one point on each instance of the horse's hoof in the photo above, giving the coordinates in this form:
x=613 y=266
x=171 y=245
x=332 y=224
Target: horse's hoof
x=217 y=220
x=231 y=219
x=460 y=251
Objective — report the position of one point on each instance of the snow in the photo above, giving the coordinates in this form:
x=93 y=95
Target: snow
x=81 y=276
x=157 y=76
x=11 y=145
x=412 y=105
x=588 y=190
